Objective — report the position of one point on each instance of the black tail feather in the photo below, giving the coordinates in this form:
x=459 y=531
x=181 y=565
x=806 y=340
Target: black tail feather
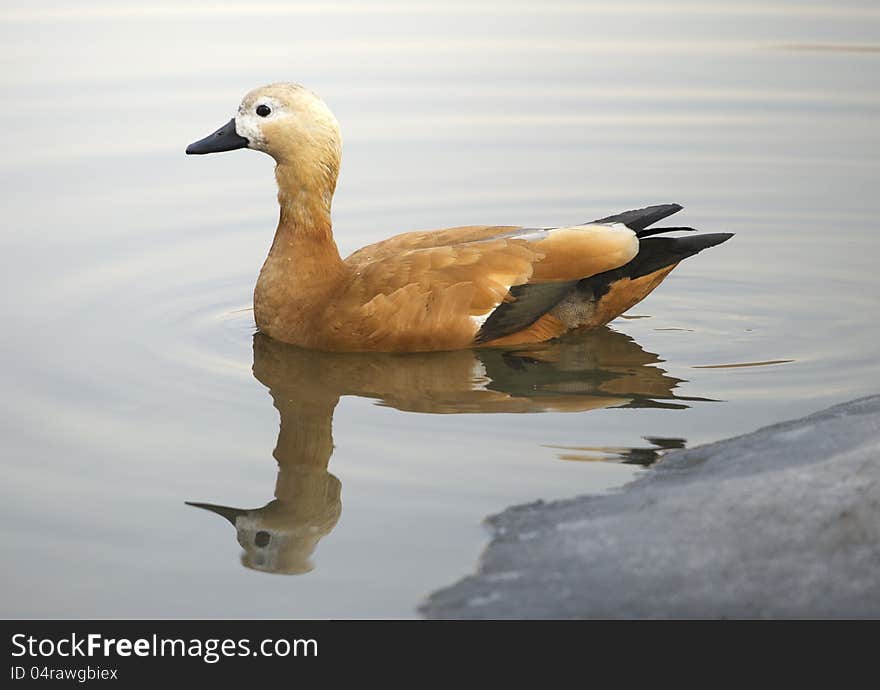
x=639 y=219
x=654 y=253
x=659 y=252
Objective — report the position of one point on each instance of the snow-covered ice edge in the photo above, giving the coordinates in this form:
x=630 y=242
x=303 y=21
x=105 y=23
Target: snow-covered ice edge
x=780 y=523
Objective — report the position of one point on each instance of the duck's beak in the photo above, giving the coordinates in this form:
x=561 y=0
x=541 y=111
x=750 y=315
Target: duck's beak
x=224 y=139
x=231 y=514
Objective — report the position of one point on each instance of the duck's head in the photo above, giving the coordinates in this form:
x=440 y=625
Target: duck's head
x=285 y=120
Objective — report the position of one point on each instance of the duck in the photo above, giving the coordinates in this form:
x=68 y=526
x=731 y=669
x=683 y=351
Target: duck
x=448 y=289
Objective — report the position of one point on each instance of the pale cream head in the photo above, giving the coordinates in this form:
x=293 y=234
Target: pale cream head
x=291 y=124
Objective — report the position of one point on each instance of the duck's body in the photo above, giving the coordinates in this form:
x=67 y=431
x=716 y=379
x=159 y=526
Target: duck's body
x=438 y=290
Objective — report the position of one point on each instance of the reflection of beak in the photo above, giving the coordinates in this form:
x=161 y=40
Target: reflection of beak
x=224 y=139
x=229 y=513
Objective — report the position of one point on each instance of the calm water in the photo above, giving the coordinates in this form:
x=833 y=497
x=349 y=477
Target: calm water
x=133 y=382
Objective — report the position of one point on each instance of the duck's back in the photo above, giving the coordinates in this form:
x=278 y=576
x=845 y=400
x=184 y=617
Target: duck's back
x=425 y=239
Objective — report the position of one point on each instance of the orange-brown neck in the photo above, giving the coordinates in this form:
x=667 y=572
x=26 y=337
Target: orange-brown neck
x=304 y=229
x=303 y=265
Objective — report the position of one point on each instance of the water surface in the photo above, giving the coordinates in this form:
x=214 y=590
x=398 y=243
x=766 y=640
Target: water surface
x=134 y=383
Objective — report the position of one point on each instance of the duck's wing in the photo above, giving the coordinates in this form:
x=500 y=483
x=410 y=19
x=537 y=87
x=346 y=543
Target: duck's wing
x=457 y=287
x=498 y=284
x=511 y=258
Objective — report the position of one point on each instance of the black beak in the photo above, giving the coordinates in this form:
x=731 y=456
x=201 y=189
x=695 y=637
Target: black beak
x=224 y=139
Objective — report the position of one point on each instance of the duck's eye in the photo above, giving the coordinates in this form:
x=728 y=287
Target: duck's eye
x=263 y=110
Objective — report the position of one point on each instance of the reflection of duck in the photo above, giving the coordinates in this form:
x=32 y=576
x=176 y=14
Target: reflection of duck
x=593 y=370
x=423 y=291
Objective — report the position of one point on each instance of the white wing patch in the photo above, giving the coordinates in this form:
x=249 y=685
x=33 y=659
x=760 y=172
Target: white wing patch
x=482 y=318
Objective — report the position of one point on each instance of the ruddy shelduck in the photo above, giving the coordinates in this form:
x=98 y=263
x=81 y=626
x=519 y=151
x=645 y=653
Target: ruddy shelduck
x=448 y=289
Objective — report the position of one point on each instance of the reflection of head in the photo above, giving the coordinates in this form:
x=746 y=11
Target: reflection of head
x=281 y=536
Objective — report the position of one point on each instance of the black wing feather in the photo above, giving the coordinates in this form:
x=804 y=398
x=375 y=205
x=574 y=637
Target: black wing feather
x=529 y=303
